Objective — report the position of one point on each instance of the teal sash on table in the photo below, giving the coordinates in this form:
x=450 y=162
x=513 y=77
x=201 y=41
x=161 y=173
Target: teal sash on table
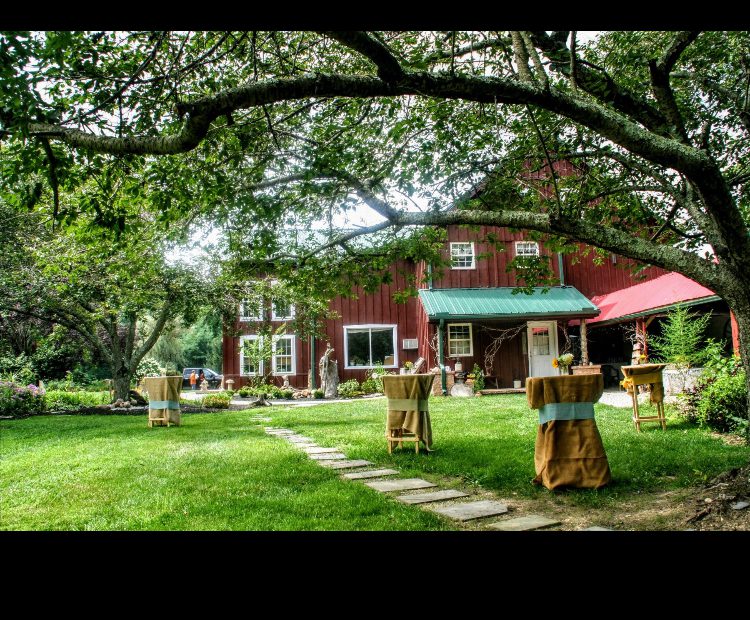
x=163 y=404
x=566 y=411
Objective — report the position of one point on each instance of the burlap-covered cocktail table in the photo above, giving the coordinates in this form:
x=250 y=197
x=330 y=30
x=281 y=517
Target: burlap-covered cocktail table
x=569 y=450
x=408 y=410
x=163 y=400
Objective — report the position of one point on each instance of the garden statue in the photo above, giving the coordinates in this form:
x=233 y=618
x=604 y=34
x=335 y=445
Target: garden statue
x=329 y=374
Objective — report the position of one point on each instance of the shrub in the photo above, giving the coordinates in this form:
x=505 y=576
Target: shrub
x=319 y=394
x=245 y=392
x=148 y=367
x=61 y=400
x=217 y=401
x=370 y=386
x=19 y=400
x=17 y=369
x=349 y=389
x=478 y=378
x=287 y=394
x=719 y=399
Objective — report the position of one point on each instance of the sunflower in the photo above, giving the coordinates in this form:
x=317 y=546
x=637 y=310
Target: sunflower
x=555 y=363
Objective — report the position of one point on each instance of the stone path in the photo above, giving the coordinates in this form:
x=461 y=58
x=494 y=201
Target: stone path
x=439 y=501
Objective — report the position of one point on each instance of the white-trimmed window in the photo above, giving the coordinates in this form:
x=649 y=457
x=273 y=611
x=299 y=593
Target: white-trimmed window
x=460 y=340
x=249 y=311
x=462 y=255
x=527 y=248
x=282 y=311
x=247 y=363
x=366 y=346
x=283 y=358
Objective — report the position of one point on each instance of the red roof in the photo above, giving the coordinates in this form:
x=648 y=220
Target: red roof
x=667 y=290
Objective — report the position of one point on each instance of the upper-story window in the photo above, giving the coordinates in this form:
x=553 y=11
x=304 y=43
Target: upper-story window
x=527 y=248
x=250 y=311
x=282 y=311
x=462 y=255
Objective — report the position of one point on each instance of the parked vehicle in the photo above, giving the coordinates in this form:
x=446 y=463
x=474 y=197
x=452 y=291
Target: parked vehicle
x=213 y=377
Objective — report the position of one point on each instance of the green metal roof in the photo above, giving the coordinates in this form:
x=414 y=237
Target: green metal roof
x=501 y=303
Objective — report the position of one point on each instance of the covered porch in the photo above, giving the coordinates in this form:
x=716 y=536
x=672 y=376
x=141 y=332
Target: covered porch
x=509 y=336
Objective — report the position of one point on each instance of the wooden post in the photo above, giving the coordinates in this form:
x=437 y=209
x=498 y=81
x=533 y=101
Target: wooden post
x=584 y=344
x=735 y=334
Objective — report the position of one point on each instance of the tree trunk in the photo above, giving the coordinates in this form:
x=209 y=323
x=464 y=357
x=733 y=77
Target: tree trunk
x=121 y=383
x=742 y=313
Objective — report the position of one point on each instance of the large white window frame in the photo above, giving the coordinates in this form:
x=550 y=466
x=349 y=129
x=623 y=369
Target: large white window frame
x=459 y=255
x=454 y=340
x=292 y=354
x=371 y=326
x=527 y=248
x=243 y=339
x=249 y=317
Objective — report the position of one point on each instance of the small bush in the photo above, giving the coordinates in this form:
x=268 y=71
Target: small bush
x=19 y=400
x=60 y=400
x=319 y=394
x=370 y=386
x=719 y=399
x=217 y=401
x=287 y=394
x=478 y=378
x=245 y=392
x=349 y=389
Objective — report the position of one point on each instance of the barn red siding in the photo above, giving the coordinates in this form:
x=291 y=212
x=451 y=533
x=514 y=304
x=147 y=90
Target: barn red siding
x=591 y=279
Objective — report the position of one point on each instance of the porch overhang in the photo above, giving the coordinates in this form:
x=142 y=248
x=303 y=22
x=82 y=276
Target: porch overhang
x=501 y=304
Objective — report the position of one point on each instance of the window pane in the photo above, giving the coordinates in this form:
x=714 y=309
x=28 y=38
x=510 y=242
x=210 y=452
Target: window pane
x=282 y=309
x=459 y=340
x=382 y=344
x=283 y=363
x=462 y=255
x=540 y=341
x=358 y=347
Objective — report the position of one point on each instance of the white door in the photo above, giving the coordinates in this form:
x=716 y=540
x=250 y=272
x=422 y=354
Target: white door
x=542 y=339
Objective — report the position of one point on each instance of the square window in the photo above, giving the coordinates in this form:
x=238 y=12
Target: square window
x=527 y=248
x=462 y=255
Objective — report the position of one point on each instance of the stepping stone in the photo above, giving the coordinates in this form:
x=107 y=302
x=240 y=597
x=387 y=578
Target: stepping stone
x=332 y=456
x=523 y=524
x=473 y=510
x=298 y=439
x=405 y=484
x=375 y=473
x=280 y=431
x=302 y=446
x=740 y=505
x=319 y=450
x=597 y=528
x=347 y=463
x=437 y=496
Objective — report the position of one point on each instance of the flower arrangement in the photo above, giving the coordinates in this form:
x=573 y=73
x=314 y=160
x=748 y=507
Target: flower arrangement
x=565 y=360
x=408 y=365
x=627 y=384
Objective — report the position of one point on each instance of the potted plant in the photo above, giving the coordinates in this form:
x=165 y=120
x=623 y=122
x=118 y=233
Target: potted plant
x=408 y=368
x=563 y=363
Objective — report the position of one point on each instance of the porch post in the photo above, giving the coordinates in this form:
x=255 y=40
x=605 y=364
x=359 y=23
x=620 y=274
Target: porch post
x=735 y=334
x=584 y=344
x=313 y=363
x=443 y=377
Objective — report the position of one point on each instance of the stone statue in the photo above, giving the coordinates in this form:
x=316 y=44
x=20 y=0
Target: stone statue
x=329 y=374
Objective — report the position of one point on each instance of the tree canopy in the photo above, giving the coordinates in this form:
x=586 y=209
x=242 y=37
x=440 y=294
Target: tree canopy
x=267 y=133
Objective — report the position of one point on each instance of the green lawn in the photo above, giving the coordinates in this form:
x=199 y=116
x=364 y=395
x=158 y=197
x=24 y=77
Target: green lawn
x=222 y=472
x=215 y=472
x=489 y=441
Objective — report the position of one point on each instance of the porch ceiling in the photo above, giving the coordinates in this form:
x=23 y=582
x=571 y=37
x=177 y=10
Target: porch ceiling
x=501 y=303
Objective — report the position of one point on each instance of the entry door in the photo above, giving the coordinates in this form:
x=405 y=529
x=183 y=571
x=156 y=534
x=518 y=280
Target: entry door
x=542 y=339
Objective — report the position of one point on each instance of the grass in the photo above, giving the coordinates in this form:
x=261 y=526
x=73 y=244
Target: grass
x=215 y=472
x=221 y=472
x=489 y=442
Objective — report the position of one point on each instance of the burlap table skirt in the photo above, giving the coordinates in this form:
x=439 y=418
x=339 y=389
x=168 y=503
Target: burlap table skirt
x=163 y=399
x=569 y=451
x=647 y=374
x=408 y=407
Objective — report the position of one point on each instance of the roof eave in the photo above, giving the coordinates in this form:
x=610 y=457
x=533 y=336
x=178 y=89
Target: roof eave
x=649 y=312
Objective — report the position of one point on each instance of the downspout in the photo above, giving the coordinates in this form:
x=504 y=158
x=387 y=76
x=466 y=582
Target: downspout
x=560 y=268
x=312 y=363
x=443 y=377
